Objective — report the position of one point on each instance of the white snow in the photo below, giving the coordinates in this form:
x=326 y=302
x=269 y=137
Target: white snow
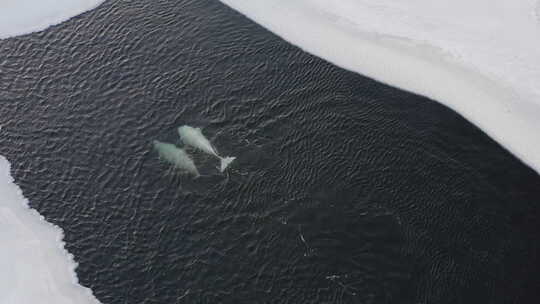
x=18 y=17
x=538 y=12
x=34 y=266
x=479 y=57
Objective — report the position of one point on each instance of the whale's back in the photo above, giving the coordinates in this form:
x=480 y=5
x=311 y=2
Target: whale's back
x=193 y=137
x=175 y=156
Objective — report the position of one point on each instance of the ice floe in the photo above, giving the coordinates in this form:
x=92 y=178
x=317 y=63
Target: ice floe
x=35 y=267
x=480 y=58
x=18 y=17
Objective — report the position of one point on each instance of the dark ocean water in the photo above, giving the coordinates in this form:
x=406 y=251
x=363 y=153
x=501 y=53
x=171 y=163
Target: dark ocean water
x=344 y=191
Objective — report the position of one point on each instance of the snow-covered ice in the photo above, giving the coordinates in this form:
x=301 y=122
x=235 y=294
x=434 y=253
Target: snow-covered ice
x=479 y=57
x=34 y=266
x=18 y=17
x=538 y=12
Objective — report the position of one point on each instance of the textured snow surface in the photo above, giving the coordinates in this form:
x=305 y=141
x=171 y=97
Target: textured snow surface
x=479 y=57
x=35 y=267
x=18 y=17
x=538 y=12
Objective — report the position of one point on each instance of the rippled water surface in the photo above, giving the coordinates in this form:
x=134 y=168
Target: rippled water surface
x=344 y=190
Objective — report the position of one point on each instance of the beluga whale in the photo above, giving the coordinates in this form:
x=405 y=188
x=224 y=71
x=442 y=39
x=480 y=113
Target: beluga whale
x=193 y=137
x=176 y=156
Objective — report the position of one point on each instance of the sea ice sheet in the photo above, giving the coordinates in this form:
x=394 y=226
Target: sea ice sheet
x=35 y=267
x=18 y=17
x=479 y=57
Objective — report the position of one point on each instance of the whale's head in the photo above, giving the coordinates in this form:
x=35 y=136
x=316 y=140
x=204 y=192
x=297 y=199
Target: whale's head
x=189 y=131
x=183 y=129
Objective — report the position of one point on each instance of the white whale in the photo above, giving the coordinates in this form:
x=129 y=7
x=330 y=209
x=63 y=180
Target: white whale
x=193 y=137
x=176 y=156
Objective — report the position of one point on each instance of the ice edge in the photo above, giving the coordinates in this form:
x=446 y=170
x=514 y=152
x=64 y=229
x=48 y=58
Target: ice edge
x=504 y=114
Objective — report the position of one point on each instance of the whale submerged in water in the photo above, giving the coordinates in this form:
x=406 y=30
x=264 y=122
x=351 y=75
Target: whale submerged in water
x=193 y=137
x=176 y=156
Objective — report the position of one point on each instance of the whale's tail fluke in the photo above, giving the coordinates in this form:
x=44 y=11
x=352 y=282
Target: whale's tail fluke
x=225 y=162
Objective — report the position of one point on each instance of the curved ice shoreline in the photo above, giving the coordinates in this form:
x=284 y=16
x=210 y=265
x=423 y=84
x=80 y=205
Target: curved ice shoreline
x=35 y=266
x=484 y=68
x=18 y=17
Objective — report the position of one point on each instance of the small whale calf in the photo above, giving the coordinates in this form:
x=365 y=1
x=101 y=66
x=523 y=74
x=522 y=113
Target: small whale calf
x=176 y=156
x=193 y=137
